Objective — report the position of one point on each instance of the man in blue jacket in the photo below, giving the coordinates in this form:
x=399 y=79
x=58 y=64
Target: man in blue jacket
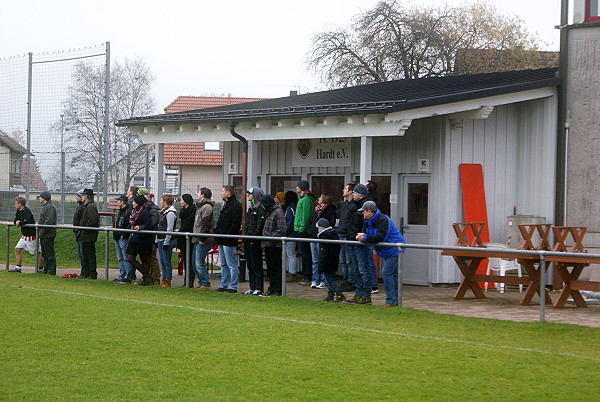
x=380 y=228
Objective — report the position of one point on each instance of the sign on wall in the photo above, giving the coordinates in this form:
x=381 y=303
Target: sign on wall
x=322 y=152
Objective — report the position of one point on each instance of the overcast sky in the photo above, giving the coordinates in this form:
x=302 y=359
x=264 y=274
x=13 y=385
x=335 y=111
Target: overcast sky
x=238 y=47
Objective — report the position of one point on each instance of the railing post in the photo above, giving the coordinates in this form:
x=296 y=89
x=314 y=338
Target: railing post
x=106 y=233
x=37 y=249
x=400 y=258
x=7 y=247
x=542 y=288
x=284 y=267
x=186 y=271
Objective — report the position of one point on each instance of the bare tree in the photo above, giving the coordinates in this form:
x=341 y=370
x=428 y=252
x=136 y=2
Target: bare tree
x=130 y=95
x=392 y=42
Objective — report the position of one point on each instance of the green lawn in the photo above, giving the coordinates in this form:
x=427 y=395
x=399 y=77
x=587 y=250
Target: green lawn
x=79 y=339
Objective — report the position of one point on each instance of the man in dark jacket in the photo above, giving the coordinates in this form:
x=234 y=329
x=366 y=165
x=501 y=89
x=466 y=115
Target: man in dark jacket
x=347 y=256
x=126 y=271
x=229 y=223
x=24 y=217
x=187 y=215
x=255 y=221
x=76 y=219
x=204 y=222
x=329 y=259
x=274 y=226
x=88 y=238
x=47 y=235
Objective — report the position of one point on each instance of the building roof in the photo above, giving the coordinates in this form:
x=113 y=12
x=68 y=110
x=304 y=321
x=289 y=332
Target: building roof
x=37 y=183
x=385 y=97
x=185 y=103
x=11 y=143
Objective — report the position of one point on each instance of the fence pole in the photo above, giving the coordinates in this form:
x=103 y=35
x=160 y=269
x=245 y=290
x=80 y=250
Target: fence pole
x=284 y=267
x=106 y=233
x=542 y=288
x=186 y=271
x=400 y=258
x=7 y=247
x=37 y=250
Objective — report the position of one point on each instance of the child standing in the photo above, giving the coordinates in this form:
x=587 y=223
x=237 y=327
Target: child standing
x=329 y=259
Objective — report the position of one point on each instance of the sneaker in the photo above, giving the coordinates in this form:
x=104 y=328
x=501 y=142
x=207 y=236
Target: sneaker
x=248 y=292
x=364 y=300
x=313 y=285
x=273 y=293
x=338 y=297
x=304 y=282
x=322 y=285
x=15 y=269
x=231 y=291
x=374 y=289
x=221 y=290
x=329 y=298
x=257 y=293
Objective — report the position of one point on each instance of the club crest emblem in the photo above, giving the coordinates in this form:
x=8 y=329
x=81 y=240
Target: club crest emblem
x=304 y=147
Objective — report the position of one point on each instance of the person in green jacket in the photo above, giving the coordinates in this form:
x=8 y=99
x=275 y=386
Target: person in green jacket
x=304 y=211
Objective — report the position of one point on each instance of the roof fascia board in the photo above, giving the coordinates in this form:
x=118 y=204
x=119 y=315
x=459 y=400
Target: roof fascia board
x=473 y=104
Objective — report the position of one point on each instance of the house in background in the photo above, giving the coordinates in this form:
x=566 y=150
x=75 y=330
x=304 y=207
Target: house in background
x=191 y=166
x=13 y=166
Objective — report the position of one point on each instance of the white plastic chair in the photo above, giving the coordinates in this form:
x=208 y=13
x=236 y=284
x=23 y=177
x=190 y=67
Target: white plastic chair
x=500 y=266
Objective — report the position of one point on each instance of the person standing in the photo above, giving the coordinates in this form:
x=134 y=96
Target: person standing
x=329 y=259
x=380 y=228
x=126 y=271
x=164 y=243
x=229 y=223
x=275 y=226
x=88 y=238
x=203 y=223
x=289 y=209
x=255 y=221
x=324 y=208
x=24 y=217
x=47 y=235
x=372 y=196
x=140 y=243
x=76 y=220
x=153 y=210
x=304 y=211
x=347 y=257
x=187 y=215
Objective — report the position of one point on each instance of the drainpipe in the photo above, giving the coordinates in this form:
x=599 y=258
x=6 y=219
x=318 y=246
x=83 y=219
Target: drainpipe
x=244 y=166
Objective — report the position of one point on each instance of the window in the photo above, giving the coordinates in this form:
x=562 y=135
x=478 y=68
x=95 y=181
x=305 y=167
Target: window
x=212 y=146
x=592 y=8
x=284 y=183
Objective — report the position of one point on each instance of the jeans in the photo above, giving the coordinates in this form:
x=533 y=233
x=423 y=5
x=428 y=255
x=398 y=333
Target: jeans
x=347 y=261
x=254 y=261
x=306 y=254
x=371 y=263
x=165 y=259
x=390 y=280
x=200 y=252
x=79 y=248
x=363 y=272
x=290 y=251
x=126 y=270
x=332 y=283
x=48 y=255
x=273 y=260
x=229 y=267
x=316 y=277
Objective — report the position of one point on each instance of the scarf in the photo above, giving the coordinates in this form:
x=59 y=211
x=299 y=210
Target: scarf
x=135 y=214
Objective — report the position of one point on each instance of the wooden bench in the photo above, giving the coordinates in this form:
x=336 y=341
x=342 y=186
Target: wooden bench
x=113 y=207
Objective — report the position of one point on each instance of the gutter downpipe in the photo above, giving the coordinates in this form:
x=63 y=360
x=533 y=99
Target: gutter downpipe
x=244 y=142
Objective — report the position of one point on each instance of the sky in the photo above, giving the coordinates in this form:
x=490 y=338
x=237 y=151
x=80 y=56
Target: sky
x=238 y=47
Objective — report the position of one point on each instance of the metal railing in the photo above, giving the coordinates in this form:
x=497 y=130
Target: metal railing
x=541 y=254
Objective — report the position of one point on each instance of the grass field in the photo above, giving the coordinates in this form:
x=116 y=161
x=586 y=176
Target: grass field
x=78 y=339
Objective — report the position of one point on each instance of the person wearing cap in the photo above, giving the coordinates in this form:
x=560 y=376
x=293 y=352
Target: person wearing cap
x=361 y=253
x=275 y=226
x=379 y=228
x=229 y=223
x=304 y=211
x=126 y=270
x=372 y=195
x=76 y=219
x=154 y=214
x=24 y=218
x=187 y=215
x=88 y=238
x=47 y=235
x=329 y=260
x=255 y=222
x=204 y=222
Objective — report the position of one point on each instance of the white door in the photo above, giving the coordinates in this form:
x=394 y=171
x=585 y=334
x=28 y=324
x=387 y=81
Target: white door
x=414 y=221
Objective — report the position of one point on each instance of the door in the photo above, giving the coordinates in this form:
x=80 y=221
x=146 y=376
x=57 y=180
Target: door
x=414 y=219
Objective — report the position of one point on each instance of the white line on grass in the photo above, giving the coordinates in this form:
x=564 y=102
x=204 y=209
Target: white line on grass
x=291 y=320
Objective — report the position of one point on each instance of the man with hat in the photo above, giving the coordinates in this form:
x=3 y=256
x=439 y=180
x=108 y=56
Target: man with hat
x=380 y=228
x=88 y=238
x=126 y=270
x=47 y=235
x=304 y=212
x=76 y=219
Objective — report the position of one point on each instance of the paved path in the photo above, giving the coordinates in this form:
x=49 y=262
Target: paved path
x=501 y=306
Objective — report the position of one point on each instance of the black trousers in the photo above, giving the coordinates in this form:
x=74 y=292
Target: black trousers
x=254 y=261
x=47 y=246
x=88 y=267
x=273 y=260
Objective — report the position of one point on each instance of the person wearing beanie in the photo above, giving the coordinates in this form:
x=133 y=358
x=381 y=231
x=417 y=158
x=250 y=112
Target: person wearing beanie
x=203 y=223
x=302 y=219
x=255 y=222
x=140 y=244
x=280 y=197
x=187 y=215
x=275 y=226
x=47 y=235
x=380 y=228
x=329 y=259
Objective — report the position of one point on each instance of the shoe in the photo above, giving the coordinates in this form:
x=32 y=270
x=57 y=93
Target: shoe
x=364 y=300
x=322 y=285
x=338 y=297
x=355 y=300
x=290 y=277
x=15 y=269
x=390 y=305
x=248 y=292
x=231 y=291
x=313 y=285
x=304 y=282
x=221 y=290
x=257 y=292
x=166 y=283
x=329 y=298
x=123 y=280
x=202 y=288
x=147 y=282
x=374 y=290
x=273 y=293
